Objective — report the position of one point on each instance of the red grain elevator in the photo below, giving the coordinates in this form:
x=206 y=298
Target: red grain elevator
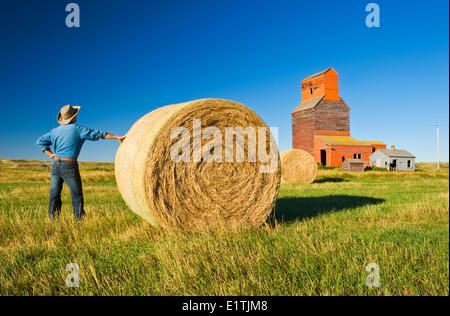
x=321 y=123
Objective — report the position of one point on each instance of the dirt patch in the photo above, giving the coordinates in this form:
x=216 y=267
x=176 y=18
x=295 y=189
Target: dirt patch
x=30 y=166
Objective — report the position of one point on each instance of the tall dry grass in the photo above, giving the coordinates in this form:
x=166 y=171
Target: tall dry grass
x=318 y=242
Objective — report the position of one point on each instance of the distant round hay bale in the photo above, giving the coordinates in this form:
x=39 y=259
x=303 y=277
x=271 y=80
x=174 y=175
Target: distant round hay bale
x=297 y=166
x=190 y=193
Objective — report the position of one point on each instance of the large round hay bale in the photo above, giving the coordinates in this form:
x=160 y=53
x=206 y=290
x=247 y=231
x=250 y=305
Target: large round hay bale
x=297 y=166
x=163 y=179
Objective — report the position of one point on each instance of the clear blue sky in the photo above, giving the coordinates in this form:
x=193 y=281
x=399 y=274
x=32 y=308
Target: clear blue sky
x=130 y=57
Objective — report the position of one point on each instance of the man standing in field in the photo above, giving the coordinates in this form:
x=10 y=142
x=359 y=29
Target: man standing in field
x=63 y=145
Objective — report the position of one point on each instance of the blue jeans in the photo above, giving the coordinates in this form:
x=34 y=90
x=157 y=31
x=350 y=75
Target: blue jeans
x=68 y=172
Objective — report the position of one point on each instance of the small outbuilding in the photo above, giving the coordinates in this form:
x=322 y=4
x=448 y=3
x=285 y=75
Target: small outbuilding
x=393 y=159
x=353 y=165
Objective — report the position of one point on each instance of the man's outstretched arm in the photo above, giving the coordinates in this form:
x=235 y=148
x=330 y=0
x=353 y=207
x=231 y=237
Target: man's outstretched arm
x=93 y=134
x=112 y=136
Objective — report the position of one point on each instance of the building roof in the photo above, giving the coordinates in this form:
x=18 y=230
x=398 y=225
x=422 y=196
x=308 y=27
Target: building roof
x=346 y=140
x=372 y=142
x=354 y=161
x=397 y=153
x=318 y=74
x=310 y=104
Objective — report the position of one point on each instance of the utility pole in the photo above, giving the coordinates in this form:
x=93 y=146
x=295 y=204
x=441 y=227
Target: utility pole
x=438 y=167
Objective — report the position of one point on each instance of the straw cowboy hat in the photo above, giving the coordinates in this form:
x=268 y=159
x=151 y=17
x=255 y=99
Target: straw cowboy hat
x=67 y=114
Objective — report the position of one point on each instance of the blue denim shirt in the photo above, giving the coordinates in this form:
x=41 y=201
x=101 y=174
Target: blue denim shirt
x=66 y=140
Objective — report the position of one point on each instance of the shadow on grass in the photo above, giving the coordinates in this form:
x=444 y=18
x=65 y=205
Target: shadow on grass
x=325 y=180
x=290 y=209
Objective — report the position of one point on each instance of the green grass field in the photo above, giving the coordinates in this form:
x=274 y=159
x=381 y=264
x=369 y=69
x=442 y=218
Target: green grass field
x=319 y=241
